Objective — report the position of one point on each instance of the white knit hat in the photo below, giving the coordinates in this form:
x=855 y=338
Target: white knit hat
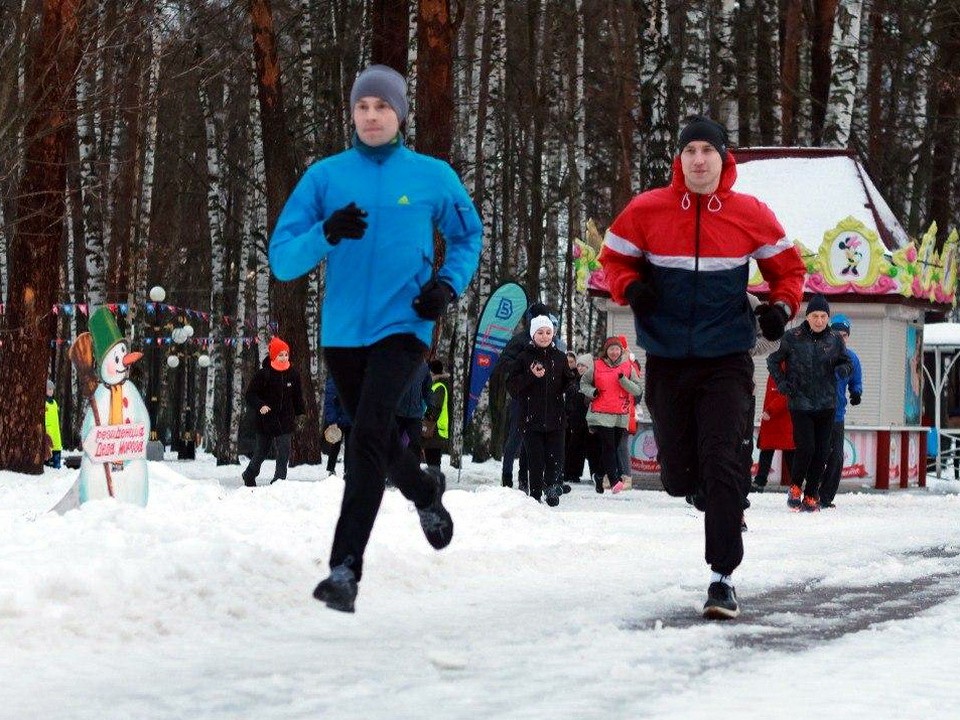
x=540 y=321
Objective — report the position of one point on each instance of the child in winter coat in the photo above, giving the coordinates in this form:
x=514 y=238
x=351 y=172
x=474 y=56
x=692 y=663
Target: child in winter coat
x=51 y=420
x=538 y=380
x=611 y=385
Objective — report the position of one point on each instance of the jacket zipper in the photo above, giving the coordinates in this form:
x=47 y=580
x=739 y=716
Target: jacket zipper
x=696 y=278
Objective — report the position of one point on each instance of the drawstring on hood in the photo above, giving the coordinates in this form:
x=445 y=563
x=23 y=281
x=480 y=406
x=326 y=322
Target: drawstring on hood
x=714 y=204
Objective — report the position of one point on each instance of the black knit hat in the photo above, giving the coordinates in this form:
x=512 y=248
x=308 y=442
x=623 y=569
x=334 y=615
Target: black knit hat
x=700 y=127
x=818 y=303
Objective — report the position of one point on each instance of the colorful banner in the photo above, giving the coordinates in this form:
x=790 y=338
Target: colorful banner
x=500 y=315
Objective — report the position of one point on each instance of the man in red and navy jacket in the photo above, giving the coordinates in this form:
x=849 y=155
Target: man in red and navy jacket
x=679 y=256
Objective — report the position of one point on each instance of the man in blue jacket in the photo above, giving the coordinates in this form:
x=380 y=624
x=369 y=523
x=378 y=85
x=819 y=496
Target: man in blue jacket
x=854 y=385
x=371 y=212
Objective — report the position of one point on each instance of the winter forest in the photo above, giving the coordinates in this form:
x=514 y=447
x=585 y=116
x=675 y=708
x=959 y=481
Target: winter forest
x=149 y=144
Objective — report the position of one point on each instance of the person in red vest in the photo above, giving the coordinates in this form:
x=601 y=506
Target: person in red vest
x=611 y=384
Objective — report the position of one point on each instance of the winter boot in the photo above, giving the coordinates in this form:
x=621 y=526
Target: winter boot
x=434 y=519
x=506 y=481
x=721 y=602
x=794 y=496
x=598 y=482
x=339 y=591
x=248 y=482
x=553 y=493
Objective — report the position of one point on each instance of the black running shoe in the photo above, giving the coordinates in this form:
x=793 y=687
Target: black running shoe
x=598 y=482
x=434 y=519
x=721 y=602
x=339 y=591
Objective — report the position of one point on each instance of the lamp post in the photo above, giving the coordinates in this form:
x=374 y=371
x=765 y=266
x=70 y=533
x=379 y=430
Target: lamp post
x=183 y=432
x=154 y=446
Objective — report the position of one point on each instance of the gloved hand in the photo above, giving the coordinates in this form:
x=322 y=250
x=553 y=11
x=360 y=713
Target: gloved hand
x=642 y=297
x=596 y=392
x=433 y=299
x=772 y=320
x=347 y=222
x=854 y=398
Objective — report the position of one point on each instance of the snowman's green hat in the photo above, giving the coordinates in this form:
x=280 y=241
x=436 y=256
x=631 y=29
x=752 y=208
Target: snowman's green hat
x=105 y=333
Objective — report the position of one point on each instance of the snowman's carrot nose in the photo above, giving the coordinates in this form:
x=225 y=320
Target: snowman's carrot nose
x=130 y=358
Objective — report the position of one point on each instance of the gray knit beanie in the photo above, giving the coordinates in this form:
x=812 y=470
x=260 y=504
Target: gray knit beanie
x=385 y=83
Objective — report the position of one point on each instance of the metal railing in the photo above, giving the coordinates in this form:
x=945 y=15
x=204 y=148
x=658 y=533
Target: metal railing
x=949 y=454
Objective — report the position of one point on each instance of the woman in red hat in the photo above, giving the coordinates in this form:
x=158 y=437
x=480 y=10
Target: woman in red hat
x=274 y=395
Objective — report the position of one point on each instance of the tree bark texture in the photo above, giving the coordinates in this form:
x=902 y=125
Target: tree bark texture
x=288 y=300
x=37 y=241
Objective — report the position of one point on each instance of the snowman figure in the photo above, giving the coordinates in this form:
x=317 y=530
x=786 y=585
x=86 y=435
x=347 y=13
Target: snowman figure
x=116 y=425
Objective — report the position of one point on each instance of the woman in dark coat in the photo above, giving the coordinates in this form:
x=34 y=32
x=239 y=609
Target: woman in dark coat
x=275 y=396
x=539 y=379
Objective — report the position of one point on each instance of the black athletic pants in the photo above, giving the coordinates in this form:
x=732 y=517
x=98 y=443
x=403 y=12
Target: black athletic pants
x=811 y=436
x=831 y=474
x=544 y=459
x=700 y=409
x=370 y=382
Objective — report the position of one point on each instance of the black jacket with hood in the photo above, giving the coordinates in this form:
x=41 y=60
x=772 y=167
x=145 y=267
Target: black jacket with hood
x=280 y=391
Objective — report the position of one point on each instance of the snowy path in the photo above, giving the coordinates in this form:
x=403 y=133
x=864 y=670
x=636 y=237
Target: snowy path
x=199 y=606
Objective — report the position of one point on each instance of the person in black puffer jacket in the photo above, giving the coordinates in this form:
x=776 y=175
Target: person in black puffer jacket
x=275 y=396
x=805 y=368
x=539 y=379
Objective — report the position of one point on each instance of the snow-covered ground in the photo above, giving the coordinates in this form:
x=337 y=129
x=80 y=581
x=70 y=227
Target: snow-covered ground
x=199 y=606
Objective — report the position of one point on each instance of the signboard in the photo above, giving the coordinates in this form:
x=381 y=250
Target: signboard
x=115 y=443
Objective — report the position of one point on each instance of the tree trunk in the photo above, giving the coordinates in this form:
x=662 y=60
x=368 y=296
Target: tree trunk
x=288 y=300
x=389 y=36
x=946 y=78
x=821 y=66
x=37 y=240
x=790 y=71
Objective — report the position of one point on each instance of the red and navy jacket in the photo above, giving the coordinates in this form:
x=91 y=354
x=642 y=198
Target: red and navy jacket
x=695 y=250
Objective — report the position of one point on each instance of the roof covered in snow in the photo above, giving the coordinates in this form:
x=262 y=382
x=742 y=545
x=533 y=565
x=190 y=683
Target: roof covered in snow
x=942 y=335
x=812 y=189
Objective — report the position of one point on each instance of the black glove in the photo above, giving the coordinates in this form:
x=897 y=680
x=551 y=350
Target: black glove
x=854 y=398
x=642 y=297
x=347 y=222
x=433 y=299
x=772 y=320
